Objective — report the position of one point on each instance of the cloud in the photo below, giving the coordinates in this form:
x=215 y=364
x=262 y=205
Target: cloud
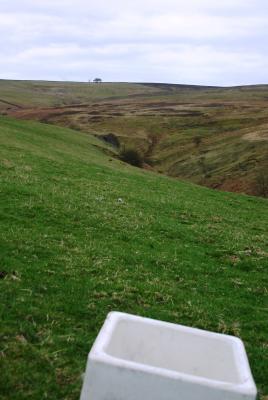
x=198 y=41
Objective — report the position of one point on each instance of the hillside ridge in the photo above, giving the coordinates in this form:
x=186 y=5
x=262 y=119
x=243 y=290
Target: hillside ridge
x=217 y=137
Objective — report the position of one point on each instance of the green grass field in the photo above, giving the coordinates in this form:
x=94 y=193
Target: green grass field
x=83 y=234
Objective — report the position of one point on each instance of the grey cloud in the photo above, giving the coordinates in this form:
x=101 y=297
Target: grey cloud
x=198 y=41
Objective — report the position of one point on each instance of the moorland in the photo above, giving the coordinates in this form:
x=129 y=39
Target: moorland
x=217 y=137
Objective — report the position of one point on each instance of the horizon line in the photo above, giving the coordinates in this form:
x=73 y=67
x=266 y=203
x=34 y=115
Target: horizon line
x=137 y=83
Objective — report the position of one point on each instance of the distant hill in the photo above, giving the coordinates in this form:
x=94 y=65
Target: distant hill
x=213 y=136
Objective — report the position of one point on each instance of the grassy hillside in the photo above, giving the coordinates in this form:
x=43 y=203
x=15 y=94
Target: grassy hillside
x=83 y=234
x=217 y=137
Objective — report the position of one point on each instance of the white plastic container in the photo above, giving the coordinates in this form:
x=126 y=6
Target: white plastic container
x=136 y=358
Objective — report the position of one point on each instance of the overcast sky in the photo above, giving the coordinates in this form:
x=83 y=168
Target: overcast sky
x=215 y=42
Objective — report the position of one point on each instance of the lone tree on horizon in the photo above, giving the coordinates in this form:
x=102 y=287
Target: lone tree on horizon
x=97 y=80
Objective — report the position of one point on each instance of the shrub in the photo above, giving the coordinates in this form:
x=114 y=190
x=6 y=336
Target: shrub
x=132 y=156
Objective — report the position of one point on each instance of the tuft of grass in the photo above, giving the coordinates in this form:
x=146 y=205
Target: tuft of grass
x=83 y=234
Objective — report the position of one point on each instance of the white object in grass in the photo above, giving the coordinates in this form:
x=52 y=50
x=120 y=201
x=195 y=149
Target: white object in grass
x=135 y=358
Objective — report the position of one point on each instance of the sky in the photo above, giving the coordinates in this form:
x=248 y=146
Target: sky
x=206 y=42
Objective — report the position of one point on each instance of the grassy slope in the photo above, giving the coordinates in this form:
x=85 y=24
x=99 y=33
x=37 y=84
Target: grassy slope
x=82 y=234
x=163 y=121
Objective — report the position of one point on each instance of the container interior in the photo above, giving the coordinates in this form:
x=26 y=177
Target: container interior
x=173 y=349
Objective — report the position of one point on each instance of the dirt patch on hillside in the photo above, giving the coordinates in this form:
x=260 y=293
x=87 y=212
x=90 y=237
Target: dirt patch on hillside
x=45 y=114
x=237 y=185
x=260 y=135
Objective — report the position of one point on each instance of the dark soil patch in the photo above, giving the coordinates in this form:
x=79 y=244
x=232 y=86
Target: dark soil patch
x=110 y=138
x=95 y=119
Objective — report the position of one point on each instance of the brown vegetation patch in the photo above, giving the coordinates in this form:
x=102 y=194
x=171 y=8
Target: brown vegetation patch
x=238 y=185
x=260 y=135
x=95 y=119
